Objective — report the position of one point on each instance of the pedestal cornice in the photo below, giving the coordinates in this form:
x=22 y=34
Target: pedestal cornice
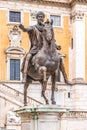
x=33 y=112
x=42 y=109
x=62 y=112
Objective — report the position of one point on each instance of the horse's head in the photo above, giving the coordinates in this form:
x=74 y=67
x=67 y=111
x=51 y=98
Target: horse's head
x=48 y=32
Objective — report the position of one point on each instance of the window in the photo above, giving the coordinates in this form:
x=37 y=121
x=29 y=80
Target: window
x=71 y=43
x=14 y=69
x=14 y=58
x=68 y=94
x=56 y=20
x=14 y=16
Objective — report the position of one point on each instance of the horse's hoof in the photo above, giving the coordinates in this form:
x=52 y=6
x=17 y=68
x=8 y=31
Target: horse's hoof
x=25 y=104
x=47 y=102
x=68 y=82
x=53 y=102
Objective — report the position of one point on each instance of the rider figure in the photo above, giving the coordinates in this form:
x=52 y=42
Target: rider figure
x=35 y=36
x=34 y=33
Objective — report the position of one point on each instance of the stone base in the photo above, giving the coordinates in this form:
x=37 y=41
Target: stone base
x=52 y=117
x=41 y=117
x=13 y=126
x=78 y=80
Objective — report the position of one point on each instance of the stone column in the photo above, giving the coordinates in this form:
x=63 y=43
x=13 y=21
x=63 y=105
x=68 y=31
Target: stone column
x=77 y=59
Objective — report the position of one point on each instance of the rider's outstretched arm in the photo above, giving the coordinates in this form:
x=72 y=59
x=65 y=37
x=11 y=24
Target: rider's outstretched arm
x=28 y=29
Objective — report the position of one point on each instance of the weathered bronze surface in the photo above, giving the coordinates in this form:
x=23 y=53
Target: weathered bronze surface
x=42 y=61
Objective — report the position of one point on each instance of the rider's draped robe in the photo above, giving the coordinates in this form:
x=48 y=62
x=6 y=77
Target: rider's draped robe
x=35 y=36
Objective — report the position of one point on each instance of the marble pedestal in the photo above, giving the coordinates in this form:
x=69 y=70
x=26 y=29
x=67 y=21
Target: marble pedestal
x=52 y=117
x=41 y=117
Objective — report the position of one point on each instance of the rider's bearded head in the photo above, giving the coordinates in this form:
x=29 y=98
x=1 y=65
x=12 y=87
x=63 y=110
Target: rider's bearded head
x=40 y=17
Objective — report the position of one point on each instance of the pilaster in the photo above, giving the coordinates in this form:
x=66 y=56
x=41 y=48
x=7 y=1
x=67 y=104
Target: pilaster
x=78 y=51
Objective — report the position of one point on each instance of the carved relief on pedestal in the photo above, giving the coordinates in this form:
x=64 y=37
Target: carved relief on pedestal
x=77 y=15
x=75 y=114
x=12 y=117
x=14 y=36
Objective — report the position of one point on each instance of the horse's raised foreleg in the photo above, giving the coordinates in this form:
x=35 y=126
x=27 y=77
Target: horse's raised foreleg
x=44 y=85
x=53 y=79
x=43 y=70
x=25 y=93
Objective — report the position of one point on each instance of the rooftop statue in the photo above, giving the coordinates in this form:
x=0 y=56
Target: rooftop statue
x=42 y=60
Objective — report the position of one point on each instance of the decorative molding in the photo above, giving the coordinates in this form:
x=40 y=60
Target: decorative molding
x=77 y=15
x=50 y=3
x=33 y=17
x=15 y=50
x=56 y=3
x=74 y=114
x=74 y=2
x=14 y=36
x=12 y=117
x=65 y=1
x=79 y=1
x=60 y=4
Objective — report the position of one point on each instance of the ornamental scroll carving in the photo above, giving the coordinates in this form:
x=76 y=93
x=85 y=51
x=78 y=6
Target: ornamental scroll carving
x=12 y=117
x=77 y=15
x=33 y=17
x=14 y=36
x=75 y=114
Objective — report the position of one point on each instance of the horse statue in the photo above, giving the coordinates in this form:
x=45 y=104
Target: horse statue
x=45 y=64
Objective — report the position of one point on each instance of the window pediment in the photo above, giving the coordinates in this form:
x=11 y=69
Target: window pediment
x=15 y=50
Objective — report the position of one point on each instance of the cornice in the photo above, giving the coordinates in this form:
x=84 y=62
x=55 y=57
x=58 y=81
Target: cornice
x=56 y=3
x=77 y=15
x=73 y=2
x=45 y=2
x=50 y=3
x=79 y=1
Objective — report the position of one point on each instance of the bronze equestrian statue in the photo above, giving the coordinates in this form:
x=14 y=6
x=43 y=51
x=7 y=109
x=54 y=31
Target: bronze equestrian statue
x=42 y=61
